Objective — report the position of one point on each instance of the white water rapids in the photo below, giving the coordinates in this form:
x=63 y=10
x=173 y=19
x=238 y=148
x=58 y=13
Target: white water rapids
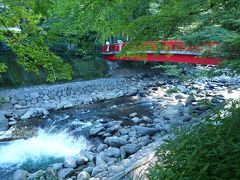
x=58 y=145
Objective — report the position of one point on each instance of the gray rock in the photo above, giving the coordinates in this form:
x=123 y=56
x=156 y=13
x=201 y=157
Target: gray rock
x=132 y=133
x=64 y=173
x=113 y=152
x=20 y=96
x=110 y=161
x=113 y=128
x=146 y=119
x=83 y=176
x=3 y=122
x=101 y=147
x=70 y=162
x=94 y=131
x=58 y=166
x=136 y=120
x=115 y=141
x=51 y=173
x=179 y=96
x=117 y=169
x=143 y=141
x=100 y=159
x=131 y=148
x=170 y=113
x=7 y=106
x=20 y=175
x=98 y=170
x=89 y=169
x=125 y=131
x=145 y=130
x=133 y=114
x=81 y=159
x=36 y=175
x=90 y=164
x=31 y=112
x=89 y=155
x=34 y=95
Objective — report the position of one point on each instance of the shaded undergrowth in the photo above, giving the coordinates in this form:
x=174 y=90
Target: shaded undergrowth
x=210 y=150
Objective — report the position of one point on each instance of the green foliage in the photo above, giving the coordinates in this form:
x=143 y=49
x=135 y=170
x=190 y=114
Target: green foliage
x=17 y=76
x=43 y=21
x=210 y=150
x=29 y=43
x=196 y=21
x=173 y=70
x=213 y=72
x=3 y=67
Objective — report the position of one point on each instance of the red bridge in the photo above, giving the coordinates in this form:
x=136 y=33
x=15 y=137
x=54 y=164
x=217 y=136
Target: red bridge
x=162 y=51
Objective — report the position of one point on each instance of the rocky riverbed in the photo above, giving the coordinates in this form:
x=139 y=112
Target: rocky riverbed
x=122 y=142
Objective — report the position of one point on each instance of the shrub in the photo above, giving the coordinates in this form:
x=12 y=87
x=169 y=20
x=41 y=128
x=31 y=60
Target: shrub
x=211 y=150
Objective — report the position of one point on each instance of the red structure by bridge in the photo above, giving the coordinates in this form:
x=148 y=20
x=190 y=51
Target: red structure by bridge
x=163 y=51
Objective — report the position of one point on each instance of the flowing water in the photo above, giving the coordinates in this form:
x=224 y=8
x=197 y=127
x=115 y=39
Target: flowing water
x=64 y=133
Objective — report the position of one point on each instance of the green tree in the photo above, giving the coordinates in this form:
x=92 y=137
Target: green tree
x=29 y=44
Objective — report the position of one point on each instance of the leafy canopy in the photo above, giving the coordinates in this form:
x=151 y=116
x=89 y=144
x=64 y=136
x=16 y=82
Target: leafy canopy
x=195 y=21
x=40 y=21
x=28 y=39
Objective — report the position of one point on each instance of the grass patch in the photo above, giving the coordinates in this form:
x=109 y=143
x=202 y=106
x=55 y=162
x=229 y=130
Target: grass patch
x=211 y=150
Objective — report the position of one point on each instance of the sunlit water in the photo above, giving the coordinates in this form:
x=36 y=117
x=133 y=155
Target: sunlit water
x=55 y=145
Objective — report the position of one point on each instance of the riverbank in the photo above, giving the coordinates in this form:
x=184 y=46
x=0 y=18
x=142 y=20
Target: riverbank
x=127 y=150
x=25 y=103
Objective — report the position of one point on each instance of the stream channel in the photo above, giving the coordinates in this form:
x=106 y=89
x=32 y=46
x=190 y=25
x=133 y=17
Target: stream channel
x=64 y=133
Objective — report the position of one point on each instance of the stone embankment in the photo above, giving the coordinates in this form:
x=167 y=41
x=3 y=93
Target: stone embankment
x=24 y=103
x=127 y=151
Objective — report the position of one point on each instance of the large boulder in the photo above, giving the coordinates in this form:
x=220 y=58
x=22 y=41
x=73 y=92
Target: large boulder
x=115 y=141
x=88 y=156
x=81 y=159
x=98 y=170
x=51 y=173
x=3 y=122
x=70 y=162
x=170 y=113
x=37 y=175
x=31 y=112
x=101 y=147
x=20 y=175
x=145 y=130
x=136 y=120
x=113 y=128
x=83 y=176
x=57 y=166
x=113 y=152
x=131 y=148
x=95 y=130
x=100 y=159
x=64 y=173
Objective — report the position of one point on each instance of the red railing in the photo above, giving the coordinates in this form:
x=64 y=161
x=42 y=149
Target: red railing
x=172 y=45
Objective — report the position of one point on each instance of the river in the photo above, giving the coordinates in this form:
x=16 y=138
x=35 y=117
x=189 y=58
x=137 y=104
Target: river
x=64 y=133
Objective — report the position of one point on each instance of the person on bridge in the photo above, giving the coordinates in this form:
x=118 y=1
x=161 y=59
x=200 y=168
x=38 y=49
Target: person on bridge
x=108 y=46
x=120 y=44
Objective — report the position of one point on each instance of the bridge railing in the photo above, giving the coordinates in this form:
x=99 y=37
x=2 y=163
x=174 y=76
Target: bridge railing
x=171 y=45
